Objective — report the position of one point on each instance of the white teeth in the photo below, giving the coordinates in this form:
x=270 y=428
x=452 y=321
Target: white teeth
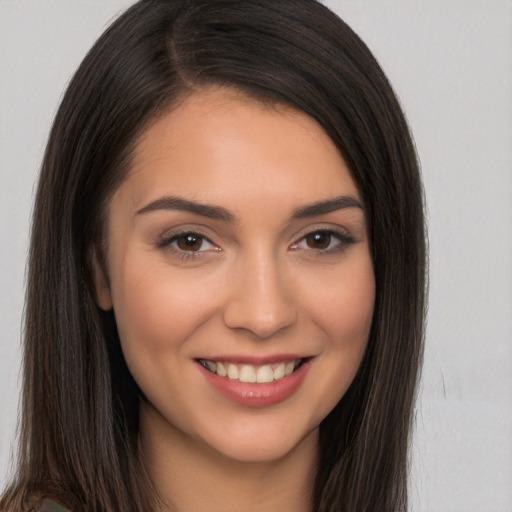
x=221 y=370
x=278 y=372
x=232 y=372
x=247 y=374
x=212 y=366
x=264 y=374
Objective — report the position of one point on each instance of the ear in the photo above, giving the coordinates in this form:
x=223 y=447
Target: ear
x=100 y=280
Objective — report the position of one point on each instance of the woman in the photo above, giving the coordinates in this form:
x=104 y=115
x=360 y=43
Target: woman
x=226 y=286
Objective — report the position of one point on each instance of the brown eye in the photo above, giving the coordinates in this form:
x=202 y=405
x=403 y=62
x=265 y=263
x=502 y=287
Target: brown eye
x=324 y=242
x=319 y=240
x=189 y=242
x=186 y=244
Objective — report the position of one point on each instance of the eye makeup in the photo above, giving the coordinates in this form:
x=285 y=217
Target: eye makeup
x=324 y=241
x=192 y=243
x=186 y=243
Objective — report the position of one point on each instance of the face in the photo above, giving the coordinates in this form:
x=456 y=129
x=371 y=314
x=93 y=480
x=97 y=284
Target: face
x=240 y=275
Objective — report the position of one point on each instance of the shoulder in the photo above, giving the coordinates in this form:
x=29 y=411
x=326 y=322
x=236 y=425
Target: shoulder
x=36 y=502
x=51 y=504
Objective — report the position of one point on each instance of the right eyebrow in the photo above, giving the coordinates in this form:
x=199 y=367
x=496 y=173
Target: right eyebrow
x=186 y=205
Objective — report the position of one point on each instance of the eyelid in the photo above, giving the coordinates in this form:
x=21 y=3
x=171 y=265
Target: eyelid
x=341 y=234
x=166 y=240
x=323 y=226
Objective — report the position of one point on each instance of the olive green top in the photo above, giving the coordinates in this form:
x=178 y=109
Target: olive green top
x=50 y=504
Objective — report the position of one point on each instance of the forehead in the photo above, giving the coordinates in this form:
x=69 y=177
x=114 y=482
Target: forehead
x=216 y=140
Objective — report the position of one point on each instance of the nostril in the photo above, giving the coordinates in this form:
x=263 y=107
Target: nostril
x=261 y=325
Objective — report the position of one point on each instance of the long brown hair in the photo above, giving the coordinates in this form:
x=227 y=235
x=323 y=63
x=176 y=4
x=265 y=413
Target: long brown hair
x=79 y=423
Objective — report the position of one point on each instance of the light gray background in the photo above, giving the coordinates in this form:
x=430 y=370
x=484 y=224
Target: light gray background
x=451 y=64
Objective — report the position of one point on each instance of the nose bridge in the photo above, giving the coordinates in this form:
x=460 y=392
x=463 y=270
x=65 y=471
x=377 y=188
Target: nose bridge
x=261 y=299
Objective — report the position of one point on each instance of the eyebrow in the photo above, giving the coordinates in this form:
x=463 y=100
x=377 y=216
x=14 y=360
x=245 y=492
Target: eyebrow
x=185 y=205
x=220 y=213
x=328 y=206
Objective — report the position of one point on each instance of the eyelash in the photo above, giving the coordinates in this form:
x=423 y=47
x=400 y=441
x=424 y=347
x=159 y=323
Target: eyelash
x=342 y=241
x=166 y=242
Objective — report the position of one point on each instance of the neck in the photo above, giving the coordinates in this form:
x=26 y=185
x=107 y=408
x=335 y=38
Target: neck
x=192 y=477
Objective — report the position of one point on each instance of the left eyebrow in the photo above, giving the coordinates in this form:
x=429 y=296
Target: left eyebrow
x=328 y=206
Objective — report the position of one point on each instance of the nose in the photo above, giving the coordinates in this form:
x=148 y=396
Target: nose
x=260 y=297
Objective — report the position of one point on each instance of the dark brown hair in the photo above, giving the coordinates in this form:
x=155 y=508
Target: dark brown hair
x=79 y=423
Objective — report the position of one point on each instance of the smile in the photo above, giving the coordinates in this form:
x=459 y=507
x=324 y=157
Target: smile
x=260 y=384
x=248 y=373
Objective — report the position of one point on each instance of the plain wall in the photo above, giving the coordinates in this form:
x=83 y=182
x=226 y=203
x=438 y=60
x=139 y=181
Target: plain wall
x=451 y=65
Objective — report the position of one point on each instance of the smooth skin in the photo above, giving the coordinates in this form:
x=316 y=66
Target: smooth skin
x=252 y=269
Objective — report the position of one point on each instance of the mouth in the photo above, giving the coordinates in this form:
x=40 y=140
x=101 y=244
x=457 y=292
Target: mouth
x=253 y=374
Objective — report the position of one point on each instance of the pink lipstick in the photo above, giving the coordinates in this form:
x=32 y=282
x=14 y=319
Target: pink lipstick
x=261 y=386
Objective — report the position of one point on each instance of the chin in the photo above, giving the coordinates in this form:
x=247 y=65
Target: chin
x=261 y=443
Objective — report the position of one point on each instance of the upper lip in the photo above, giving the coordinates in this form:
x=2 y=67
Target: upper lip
x=256 y=360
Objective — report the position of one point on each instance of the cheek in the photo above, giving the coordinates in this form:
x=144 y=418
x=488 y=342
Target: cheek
x=351 y=312
x=343 y=312
x=343 y=306
x=157 y=310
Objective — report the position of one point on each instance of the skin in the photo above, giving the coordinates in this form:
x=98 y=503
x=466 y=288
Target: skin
x=257 y=285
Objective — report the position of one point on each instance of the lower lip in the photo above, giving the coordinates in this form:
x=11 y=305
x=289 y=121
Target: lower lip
x=258 y=395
